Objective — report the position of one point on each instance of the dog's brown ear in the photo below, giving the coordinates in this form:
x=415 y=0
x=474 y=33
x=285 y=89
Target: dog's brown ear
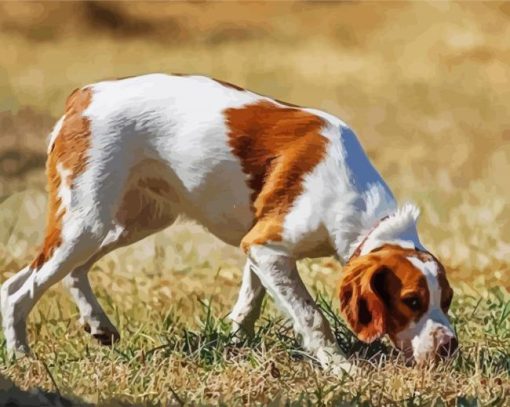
x=361 y=301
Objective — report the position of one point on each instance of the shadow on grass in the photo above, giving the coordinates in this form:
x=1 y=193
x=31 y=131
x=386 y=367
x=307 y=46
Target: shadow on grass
x=13 y=396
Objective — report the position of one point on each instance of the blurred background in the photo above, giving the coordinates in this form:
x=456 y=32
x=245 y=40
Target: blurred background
x=425 y=86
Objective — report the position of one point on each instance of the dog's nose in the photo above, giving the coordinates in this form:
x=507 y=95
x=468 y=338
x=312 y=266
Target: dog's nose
x=448 y=348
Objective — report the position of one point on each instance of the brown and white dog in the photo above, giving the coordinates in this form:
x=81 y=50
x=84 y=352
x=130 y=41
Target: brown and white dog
x=283 y=182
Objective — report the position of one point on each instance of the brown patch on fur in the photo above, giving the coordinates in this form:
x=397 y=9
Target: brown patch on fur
x=147 y=203
x=372 y=289
x=69 y=150
x=277 y=147
x=134 y=205
x=141 y=212
x=157 y=186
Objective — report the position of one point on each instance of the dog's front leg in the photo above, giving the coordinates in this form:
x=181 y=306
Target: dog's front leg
x=247 y=308
x=278 y=273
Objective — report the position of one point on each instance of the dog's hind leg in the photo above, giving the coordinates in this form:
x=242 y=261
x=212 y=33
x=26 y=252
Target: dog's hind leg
x=35 y=279
x=15 y=282
x=138 y=221
x=92 y=316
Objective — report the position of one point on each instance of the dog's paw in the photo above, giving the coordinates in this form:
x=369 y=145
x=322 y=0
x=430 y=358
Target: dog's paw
x=105 y=336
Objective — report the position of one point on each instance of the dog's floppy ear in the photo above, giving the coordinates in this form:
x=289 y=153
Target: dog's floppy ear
x=362 y=300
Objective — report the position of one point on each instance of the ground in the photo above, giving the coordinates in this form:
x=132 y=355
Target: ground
x=425 y=85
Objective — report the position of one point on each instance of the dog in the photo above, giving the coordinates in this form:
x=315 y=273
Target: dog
x=281 y=181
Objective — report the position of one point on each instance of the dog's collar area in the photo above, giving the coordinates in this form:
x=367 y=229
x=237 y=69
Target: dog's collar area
x=359 y=247
x=357 y=251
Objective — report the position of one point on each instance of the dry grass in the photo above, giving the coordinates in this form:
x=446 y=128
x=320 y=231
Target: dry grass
x=424 y=85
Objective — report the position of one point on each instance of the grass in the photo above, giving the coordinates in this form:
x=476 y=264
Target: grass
x=169 y=296
x=425 y=87
x=164 y=360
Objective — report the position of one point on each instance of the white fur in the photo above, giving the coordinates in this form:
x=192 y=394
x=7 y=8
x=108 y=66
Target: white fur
x=398 y=228
x=247 y=308
x=173 y=128
x=55 y=132
x=64 y=192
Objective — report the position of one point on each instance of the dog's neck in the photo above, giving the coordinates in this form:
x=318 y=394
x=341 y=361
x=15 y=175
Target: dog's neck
x=360 y=211
x=398 y=228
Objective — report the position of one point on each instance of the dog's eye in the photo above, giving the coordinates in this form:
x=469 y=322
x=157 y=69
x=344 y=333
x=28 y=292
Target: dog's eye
x=413 y=302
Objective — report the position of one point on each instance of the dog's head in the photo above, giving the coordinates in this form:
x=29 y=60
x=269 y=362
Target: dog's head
x=403 y=293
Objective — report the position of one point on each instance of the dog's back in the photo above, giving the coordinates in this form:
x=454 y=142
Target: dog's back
x=160 y=145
